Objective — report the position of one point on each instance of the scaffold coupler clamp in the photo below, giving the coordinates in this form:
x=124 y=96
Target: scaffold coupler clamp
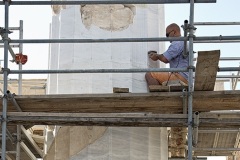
x=2 y=119
x=191 y=67
x=220 y=37
x=191 y=27
x=186 y=27
x=6 y=70
x=3 y=31
x=9 y=1
x=9 y=95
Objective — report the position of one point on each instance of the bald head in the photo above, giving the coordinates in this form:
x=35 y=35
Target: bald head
x=173 y=30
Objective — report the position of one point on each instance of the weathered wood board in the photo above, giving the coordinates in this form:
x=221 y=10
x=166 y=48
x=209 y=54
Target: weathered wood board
x=154 y=102
x=206 y=70
x=120 y=90
x=160 y=88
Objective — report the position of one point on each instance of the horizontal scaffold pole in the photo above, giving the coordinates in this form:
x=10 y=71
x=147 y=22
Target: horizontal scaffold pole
x=218 y=41
x=216 y=149
x=111 y=70
x=106 y=2
x=216 y=23
x=97 y=40
x=157 y=39
x=99 y=71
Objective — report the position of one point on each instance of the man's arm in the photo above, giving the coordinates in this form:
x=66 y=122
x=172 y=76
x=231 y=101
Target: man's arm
x=155 y=57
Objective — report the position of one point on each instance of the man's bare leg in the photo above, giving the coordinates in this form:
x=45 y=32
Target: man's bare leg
x=150 y=80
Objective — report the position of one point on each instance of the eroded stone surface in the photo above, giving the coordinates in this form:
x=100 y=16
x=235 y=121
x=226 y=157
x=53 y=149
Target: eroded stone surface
x=57 y=8
x=108 y=17
x=114 y=17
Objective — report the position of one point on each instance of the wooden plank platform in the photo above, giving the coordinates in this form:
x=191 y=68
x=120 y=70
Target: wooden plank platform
x=207 y=120
x=156 y=102
x=160 y=88
x=206 y=70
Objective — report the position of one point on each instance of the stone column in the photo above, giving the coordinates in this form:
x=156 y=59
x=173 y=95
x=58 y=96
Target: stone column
x=105 y=22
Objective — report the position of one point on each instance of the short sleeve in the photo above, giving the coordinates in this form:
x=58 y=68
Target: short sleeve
x=173 y=50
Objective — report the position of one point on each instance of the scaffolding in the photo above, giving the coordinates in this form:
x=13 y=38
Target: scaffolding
x=188 y=120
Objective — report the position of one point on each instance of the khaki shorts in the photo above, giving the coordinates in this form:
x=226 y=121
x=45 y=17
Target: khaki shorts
x=166 y=76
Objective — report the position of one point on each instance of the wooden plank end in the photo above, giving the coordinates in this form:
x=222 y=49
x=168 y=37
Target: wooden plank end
x=120 y=90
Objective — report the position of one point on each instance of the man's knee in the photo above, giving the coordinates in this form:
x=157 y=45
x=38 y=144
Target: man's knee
x=148 y=75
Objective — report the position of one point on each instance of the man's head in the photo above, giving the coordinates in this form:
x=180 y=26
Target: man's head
x=173 y=30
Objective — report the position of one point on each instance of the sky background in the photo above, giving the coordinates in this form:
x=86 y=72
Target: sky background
x=37 y=21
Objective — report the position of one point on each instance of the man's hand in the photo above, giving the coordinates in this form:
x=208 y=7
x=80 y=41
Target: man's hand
x=153 y=55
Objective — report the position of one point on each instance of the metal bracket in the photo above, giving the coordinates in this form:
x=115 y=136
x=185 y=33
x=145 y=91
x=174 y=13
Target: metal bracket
x=9 y=1
x=3 y=119
x=15 y=138
x=3 y=31
x=186 y=27
x=8 y=95
x=191 y=67
x=6 y=70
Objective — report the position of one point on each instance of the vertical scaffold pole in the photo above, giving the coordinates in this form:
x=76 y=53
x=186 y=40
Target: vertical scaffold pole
x=20 y=51
x=190 y=80
x=5 y=82
x=19 y=91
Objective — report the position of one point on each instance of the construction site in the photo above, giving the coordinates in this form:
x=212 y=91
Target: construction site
x=95 y=103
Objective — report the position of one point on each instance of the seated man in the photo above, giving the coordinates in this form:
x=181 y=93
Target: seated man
x=173 y=56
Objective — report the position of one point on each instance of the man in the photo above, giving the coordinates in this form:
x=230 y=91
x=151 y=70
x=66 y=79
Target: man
x=173 y=56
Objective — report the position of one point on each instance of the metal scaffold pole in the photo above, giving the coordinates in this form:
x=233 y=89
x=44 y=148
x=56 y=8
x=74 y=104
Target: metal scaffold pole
x=202 y=39
x=190 y=80
x=106 y=2
x=5 y=83
x=216 y=23
x=18 y=155
x=133 y=70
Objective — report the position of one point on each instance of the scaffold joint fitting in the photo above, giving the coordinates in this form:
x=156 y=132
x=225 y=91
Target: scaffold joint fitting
x=16 y=140
x=9 y=95
x=3 y=31
x=9 y=1
x=3 y=119
x=191 y=67
x=6 y=70
x=220 y=37
x=190 y=93
x=190 y=123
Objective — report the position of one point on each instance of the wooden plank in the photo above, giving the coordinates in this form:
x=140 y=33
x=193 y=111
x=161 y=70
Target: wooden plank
x=206 y=70
x=120 y=90
x=111 y=119
x=158 y=88
x=154 y=102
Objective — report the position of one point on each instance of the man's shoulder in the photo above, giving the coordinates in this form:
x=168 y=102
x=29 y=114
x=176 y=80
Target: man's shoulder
x=178 y=43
